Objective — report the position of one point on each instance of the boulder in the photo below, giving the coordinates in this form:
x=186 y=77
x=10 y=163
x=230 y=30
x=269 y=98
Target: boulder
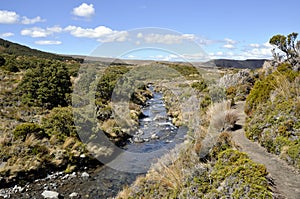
x=50 y=194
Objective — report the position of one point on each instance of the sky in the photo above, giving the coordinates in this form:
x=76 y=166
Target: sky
x=150 y=29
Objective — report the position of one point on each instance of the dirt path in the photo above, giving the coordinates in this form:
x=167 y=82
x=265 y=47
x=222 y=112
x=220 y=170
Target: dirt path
x=286 y=178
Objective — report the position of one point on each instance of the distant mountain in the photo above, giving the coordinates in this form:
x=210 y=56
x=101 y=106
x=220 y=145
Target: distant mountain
x=222 y=63
x=20 y=50
x=230 y=63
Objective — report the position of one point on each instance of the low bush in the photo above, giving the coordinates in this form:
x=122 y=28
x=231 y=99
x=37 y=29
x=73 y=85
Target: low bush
x=25 y=129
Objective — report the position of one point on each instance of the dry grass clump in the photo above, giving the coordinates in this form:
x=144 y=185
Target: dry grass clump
x=222 y=117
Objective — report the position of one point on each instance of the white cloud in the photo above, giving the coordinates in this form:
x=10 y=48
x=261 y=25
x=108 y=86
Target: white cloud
x=268 y=45
x=139 y=35
x=230 y=41
x=7 y=34
x=200 y=56
x=169 y=57
x=11 y=17
x=27 y=20
x=131 y=57
x=167 y=38
x=47 y=42
x=84 y=10
x=228 y=46
x=254 y=45
x=101 y=33
x=259 y=51
x=8 y=17
x=40 y=32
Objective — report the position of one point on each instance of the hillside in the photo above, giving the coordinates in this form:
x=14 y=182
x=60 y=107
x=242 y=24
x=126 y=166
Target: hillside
x=20 y=50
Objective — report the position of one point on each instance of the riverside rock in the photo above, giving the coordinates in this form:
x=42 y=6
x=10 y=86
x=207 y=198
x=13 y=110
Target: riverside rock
x=50 y=194
x=74 y=195
x=85 y=175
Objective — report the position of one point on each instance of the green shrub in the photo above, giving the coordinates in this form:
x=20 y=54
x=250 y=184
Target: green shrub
x=60 y=122
x=199 y=85
x=107 y=83
x=47 y=85
x=259 y=94
x=23 y=130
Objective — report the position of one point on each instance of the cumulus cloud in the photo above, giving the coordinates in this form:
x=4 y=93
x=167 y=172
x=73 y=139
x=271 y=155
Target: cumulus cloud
x=199 y=56
x=40 y=32
x=258 y=53
x=7 y=34
x=84 y=10
x=27 y=20
x=10 y=17
x=230 y=41
x=48 y=42
x=130 y=57
x=168 y=57
x=252 y=51
x=101 y=33
x=139 y=35
x=259 y=50
x=166 y=38
x=254 y=45
x=229 y=46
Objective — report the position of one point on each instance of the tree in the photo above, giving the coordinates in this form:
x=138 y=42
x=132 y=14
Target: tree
x=288 y=45
x=47 y=85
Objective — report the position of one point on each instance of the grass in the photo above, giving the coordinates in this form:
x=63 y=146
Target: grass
x=229 y=173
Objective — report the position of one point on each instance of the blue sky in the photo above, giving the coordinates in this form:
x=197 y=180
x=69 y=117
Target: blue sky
x=222 y=29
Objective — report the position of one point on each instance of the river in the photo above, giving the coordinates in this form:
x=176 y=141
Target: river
x=155 y=137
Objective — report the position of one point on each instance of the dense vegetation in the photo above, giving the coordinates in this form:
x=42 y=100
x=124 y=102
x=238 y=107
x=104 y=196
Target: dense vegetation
x=273 y=106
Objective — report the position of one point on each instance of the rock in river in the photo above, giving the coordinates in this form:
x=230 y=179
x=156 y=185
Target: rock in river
x=50 y=194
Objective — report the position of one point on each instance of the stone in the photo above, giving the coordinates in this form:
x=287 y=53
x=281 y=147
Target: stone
x=154 y=136
x=138 y=140
x=85 y=175
x=50 y=194
x=82 y=156
x=73 y=195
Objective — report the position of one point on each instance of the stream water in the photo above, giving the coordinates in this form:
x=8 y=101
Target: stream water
x=155 y=137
